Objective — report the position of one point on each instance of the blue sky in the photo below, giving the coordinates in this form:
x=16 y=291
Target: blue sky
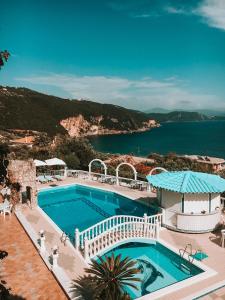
x=139 y=54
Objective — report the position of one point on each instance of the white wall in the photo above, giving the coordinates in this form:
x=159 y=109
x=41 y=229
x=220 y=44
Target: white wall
x=215 y=202
x=172 y=203
x=196 y=203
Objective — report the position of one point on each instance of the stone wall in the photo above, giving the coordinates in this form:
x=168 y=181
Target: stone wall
x=24 y=172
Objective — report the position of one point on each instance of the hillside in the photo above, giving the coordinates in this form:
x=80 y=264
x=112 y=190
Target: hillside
x=178 y=116
x=26 y=109
x=21 y=108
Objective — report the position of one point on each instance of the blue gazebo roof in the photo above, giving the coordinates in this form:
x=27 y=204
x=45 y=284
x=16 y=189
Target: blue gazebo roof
x=188 y=182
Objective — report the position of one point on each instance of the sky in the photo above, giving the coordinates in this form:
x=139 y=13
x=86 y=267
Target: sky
x=139 y=54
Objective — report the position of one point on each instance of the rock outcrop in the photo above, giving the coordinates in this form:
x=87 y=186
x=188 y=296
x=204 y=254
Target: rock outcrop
x=79 y=126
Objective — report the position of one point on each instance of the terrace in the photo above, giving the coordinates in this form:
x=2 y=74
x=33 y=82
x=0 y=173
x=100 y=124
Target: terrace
x=71 y=264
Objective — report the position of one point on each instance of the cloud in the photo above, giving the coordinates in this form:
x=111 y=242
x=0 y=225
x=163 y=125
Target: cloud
x=144 y=16
x=212 y=12
x=175 y=10
x=141 y=94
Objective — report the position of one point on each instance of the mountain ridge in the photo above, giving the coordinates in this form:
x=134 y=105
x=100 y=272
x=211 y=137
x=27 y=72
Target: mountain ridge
x=25 y=109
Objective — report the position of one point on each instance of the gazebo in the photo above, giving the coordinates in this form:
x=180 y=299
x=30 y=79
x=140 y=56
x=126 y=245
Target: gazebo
x=53 y=162
x=190 y=200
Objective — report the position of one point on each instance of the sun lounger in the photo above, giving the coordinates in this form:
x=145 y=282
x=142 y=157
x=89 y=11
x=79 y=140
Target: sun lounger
x=42 y=179
x=50 y=178
x=58 y=177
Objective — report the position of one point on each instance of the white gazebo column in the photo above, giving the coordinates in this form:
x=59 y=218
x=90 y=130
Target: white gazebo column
x=89 y=171
x=65 y=172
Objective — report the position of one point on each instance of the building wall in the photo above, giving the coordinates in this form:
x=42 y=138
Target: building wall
x=24 y=172
x=196 y=203
x=171 y=202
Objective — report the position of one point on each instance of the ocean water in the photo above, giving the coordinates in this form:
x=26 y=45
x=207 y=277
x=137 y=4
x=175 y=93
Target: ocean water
x=159 y=267
x=203 y=138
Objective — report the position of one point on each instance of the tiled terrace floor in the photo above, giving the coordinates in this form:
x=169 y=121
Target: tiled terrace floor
x=216 y=295
x=23 y=269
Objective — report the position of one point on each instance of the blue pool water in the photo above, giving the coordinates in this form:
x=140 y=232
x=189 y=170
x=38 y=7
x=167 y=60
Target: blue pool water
x=80 y=207
x=159 y=266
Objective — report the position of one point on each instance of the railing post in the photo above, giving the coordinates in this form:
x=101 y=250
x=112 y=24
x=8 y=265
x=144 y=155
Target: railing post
x=163 y=216
x=86 y=255
x=157 y=229
x=77 y=238
x=145 y=223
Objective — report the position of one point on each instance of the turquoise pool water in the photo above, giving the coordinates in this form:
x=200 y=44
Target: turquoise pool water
x=80 y=207
x=159 y=266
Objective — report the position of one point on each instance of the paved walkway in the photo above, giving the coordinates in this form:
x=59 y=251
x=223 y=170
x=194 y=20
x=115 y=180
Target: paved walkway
x=23 y=269
x=210 y=243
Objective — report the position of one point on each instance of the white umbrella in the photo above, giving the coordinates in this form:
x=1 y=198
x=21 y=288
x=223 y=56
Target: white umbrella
x=55 y=162
x=39 y=163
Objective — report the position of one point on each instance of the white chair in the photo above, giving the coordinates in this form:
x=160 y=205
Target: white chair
x=7 y=210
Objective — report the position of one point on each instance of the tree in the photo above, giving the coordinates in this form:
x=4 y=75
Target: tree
x=107 y=279
x=4 y=56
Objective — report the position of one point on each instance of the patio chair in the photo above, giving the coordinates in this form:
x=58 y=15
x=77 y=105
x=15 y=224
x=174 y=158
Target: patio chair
x=7 y=210
x=4 y=205
x=42 y=179
x=58 y=177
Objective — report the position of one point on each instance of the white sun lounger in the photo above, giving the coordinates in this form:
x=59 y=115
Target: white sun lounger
x=58 y=177
x=42 y=179
x=50 y=178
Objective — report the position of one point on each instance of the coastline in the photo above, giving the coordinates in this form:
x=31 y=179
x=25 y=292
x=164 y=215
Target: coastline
x=204 y=138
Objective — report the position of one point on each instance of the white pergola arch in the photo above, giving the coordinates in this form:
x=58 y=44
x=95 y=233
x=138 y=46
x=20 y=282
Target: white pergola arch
x=128 y=164
x=157 y=168
x=150 y=174
x=101 y=162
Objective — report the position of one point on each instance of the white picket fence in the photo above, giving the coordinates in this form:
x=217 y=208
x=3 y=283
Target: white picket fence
x=115 y=229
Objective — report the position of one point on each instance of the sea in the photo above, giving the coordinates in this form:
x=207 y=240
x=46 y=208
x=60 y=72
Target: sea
x=202 y=138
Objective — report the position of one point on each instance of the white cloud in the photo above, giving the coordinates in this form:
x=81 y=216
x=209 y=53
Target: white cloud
x=175 y=10
x=138 y=94
x=213 y=13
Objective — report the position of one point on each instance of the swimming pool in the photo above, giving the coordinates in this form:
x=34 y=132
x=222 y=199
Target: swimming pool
x=159 y=266
x=78 y=206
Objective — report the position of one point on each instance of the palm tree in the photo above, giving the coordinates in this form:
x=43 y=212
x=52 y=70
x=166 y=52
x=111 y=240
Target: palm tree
x=107 y=278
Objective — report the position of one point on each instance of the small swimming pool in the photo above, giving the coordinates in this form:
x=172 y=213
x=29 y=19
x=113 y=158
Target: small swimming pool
x=78 y=206
x=159 y=266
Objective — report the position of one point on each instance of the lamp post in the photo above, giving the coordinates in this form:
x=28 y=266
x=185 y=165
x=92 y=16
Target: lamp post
x=42 y=241
x=55 y=255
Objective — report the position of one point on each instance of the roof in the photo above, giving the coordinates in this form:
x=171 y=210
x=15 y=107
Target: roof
x=39 y=163
x=55 y=162
x=207 y=159
x=188 y=182
x=26 y=140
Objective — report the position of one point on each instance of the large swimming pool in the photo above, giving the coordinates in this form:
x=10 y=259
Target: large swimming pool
x=78 y=206
x=159 y=266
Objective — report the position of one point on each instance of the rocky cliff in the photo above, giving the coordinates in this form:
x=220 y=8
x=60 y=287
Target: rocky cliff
x=79 y=126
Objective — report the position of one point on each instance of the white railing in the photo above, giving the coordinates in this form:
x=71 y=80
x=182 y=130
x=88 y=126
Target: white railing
x=119 y=233
x=110 y=179
x=113 y=224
